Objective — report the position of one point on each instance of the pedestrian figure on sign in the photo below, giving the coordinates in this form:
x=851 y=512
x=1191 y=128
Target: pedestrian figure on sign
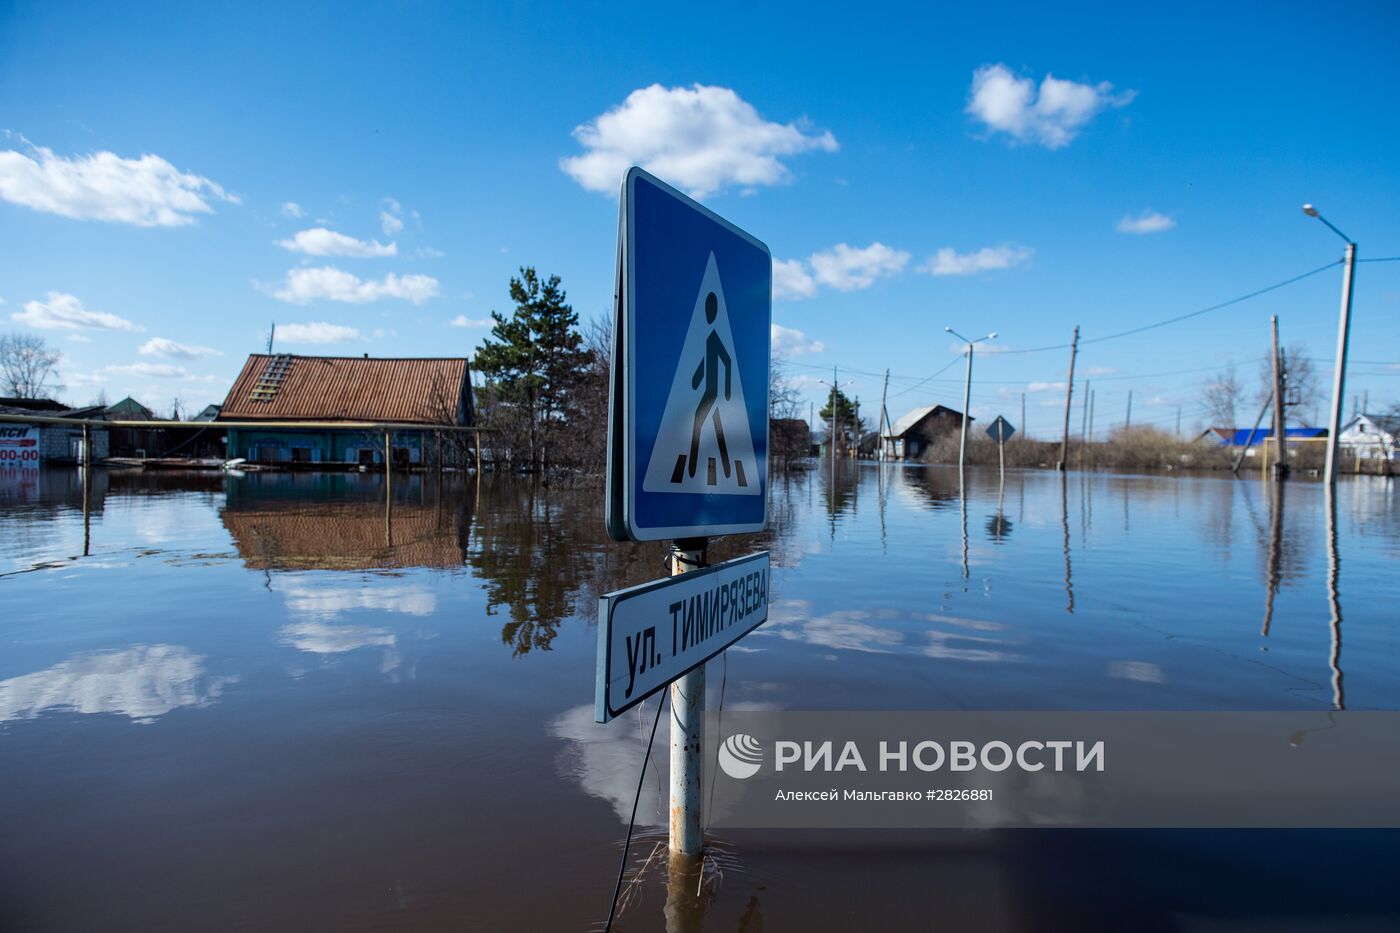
x=708 y=373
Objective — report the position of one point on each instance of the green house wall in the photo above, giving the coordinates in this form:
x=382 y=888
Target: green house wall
x=283 y=445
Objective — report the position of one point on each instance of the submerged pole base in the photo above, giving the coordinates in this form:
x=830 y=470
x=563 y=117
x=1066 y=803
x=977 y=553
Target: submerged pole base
x=687 y=837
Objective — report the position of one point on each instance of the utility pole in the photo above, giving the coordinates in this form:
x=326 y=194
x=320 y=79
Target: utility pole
x=1084 y=417
x=1091 y=422
x=967 y=398
x=1023 y=416
x=1128 y=419
x=1069 y=394
x=856 y=426
x=834 y=421
x=1339 y=376
x=1178 y=422
x=884 y=396
x=967 y=404
x=1280 y=422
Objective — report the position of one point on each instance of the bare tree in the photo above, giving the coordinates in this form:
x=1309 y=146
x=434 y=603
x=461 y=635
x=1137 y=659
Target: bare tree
x=1222 y=395
x=1299 y=377
x=28 y=366
x=788 y=439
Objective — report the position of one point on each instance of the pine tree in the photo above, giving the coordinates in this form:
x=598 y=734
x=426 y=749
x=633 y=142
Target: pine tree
x=535 y=357
x=838 y=403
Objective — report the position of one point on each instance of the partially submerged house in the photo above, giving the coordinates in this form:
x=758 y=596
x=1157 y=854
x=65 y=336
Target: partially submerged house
x=911 y=435
x=1367 y=437
x=31 y=444
x=321 y=390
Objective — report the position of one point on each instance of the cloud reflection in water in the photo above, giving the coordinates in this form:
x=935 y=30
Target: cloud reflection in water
x=142 y=682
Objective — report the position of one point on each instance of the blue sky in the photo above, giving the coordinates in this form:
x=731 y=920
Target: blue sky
x=365 y=176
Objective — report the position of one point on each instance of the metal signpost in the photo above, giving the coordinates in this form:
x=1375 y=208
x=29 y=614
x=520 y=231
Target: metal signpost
x=687 y=459
x=1000 y=431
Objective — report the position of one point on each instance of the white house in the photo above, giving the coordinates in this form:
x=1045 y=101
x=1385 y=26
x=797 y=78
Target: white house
x=1368 y=436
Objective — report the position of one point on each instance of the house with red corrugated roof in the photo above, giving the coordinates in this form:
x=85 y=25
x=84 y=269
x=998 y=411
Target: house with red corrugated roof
x=284 y=389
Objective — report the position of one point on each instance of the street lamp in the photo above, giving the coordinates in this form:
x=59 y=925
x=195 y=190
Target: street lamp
x=967 y=396
x=1339 y=376
x=834 y=421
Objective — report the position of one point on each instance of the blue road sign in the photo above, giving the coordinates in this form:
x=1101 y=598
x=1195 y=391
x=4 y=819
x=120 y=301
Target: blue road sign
x=688 y=429
x=1000 y=430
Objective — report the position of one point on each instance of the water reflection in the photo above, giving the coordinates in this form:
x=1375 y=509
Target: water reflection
x=1273 y=571
x=282 y=522
x=142 y=683
x=604 y=759
x=870 y=608
x=888 y=631
x=999 y=526
x=1334 y=598
x=1064 y=524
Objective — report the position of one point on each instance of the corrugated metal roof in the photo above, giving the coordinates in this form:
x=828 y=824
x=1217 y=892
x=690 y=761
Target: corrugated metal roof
x=347 y=388
x=914 y=417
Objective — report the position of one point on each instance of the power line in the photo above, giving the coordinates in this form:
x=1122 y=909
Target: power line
x=1114 y=336
x=1216 y=307
x=929 y=379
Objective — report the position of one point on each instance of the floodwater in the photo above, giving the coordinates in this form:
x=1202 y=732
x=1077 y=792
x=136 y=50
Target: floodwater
x=270 y=703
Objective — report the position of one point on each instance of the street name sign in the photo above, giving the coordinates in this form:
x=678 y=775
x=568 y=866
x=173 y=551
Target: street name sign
x=688 y=419
x=1000 y=430
x=651 y=634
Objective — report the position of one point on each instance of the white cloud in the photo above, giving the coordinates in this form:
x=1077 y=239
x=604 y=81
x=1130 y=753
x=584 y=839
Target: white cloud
x=789 y=342
x=316 y=332
x=149 y=370
x=147 y=192
x=1010 y=391
x=948 y=261
x=984 y=348
x=1147 y=222
x=389 y=217
x=306 y=285
x=792 y=280
x=161 y=346
x=1101 y=370
x=293 y=209
x=318 y=241
x=700 y=138
x=462 y=320
x=847 y=268
x=65 y=312
x=1051 y=115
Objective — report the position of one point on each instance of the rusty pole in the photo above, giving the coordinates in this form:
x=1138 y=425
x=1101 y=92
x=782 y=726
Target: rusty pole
x=687 y=836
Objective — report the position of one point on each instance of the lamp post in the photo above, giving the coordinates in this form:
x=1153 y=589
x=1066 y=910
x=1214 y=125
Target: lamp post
x=967 y=396
x=833 y=423
x=1339 y=376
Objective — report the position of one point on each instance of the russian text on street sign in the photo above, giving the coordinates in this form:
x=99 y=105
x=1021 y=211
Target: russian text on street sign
x=1000 y=430
x=688 y=424
x=651 y=634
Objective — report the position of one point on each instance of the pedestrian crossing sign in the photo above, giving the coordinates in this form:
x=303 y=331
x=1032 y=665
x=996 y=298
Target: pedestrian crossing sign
x=688 y=428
